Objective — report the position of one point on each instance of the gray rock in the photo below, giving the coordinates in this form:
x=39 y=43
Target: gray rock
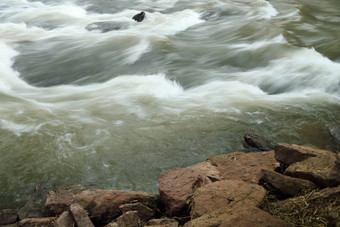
x=107 y=26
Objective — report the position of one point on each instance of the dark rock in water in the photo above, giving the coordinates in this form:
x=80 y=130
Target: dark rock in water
x=34 y=208
x=257 y=142
x=106 y=26
x=139 y=17
x=8 y=216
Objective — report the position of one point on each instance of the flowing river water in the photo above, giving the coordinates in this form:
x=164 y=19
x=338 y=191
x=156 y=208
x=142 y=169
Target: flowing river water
x=88 y=95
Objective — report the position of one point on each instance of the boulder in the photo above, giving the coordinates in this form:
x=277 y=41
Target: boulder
x=130 y=219
x=226 y=193
x=139 y=17
x=8 y=216
x=59 y=199
x=80 y=216
x=102 y=205
x=145 y=213
x=238 y=215
x=208 y=172
x=244 y=166
x=284 y=184
x=289 y=154
x=163 y=222
x=65 y=220
x=176 y=188
x=257 y=142
x=37 y=222
x=323 y=170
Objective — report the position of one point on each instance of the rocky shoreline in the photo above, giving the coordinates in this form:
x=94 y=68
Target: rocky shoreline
x=289 y=185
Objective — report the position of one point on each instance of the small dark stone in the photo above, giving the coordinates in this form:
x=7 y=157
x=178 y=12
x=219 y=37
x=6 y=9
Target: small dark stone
x=139 y=17
x=257 y=142
x=8 y=216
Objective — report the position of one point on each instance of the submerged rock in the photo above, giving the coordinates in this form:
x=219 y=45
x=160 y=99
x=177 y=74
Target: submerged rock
x=139 y=17
x=106 y=26
x=257 y=142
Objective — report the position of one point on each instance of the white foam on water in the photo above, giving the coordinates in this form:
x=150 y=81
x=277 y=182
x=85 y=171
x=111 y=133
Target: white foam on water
x=264 y=9
x=303 y=70
x=280 y=39
x=19 y=129
x=9 y=78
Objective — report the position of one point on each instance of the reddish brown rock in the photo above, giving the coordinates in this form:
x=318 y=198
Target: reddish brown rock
x=289 y=154
x=324 y=170
x=61 y=198
x=130 y=219
x=144 y=212
x=245 y=166
x=80 y=216
x=227 y=193
x=102 y=205
x=65 y=220
x=285 y=184
x=163 y=222
x=239 y=215
x=8 y=216
x=37 y=222
x=208 y=172
x=176 y=188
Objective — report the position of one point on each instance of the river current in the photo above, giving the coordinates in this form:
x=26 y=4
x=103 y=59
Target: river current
x=90 y=96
